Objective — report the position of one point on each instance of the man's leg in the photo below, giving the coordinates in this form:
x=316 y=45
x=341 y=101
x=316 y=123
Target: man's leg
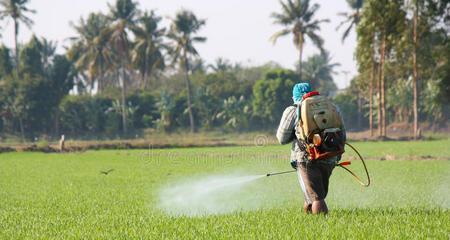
x=315 y=178
x=304 y=177
x=307 y=208
x=319 y=207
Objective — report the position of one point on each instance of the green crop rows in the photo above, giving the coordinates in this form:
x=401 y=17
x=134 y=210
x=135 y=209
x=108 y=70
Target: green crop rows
x=64 y=196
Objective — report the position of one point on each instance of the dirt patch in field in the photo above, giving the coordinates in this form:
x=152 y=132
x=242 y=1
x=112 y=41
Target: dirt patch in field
x=401 y=132
x=35 y=148
x=7 y=149
x=422 y=157
x=180 y=140
x=84 y=146
x=150 y=141
x=390 y=157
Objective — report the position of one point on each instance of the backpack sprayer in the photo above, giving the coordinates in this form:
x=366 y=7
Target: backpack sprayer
x=342 y=165
x=321 y=134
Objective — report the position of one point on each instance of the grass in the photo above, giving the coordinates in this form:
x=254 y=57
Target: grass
x=63 y=196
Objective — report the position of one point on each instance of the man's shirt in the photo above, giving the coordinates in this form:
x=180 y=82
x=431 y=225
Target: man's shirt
x=286 y=133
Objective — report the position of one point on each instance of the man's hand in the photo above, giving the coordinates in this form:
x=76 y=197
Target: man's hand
x=294 y=164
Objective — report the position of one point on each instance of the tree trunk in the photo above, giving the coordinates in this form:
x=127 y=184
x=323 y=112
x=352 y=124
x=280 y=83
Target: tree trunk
x=358 y=117
x=144 y=75
x=100 y=79
x=56 y=122
x=189 y=92
x=415 y=74
x=372 y=73
x=16 y=47
x=383 y=99
x=379 y=101
x=148 y=72
x=300 y=47
x=22 y=130
x=99 y=84
x=144 y=80
x=124 y=107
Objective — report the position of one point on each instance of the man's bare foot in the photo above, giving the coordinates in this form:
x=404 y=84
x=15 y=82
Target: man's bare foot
x=307 y=208
x=319 y=207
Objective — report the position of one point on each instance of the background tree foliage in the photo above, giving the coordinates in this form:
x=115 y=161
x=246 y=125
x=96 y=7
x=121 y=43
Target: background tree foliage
x=400 y=51
x=272 y=95
x=124 y=72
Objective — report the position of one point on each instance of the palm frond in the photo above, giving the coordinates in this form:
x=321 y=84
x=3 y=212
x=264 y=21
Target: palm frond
x=348 y=19
x=343 y=14
x=281 y=19
x=347 y=31
x=287 y=11
x=316 y=40
x=303 y=8
x=309 y=14
x=315 y=25
x=199 y=39
x=279 y=34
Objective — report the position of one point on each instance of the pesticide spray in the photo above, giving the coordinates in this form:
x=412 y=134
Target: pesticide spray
x=223 y=194
x=209 y=196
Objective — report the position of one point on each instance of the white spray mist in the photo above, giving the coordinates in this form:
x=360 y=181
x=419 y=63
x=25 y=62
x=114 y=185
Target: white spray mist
x=210 y=195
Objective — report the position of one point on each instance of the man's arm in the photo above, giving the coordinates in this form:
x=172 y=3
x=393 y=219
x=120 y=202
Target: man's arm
x=286 y=129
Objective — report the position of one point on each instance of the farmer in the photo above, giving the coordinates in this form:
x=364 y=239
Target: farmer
x=313 y=175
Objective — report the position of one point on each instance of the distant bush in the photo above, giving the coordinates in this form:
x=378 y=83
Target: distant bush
x=42 y=144
x=348 y=106
x=99 y=114
x=272 y=95
x=84 y=113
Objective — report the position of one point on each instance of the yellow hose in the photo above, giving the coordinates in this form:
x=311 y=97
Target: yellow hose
x=358 y=179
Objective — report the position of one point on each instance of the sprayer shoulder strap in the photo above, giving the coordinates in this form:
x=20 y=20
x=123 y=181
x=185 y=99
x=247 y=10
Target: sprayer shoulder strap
x=299 y=124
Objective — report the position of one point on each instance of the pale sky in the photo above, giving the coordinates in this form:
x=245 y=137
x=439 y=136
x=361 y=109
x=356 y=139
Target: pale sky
x=238 y=30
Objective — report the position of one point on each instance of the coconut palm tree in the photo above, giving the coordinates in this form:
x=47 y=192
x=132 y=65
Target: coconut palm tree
x=17 y=10
x=182 y=33
x=297 y=18
x=319 y=69
x=352 y=18
x=91 y=51
x=48 y=50
x=148 y=45
x=123 y=14
x=221 y=65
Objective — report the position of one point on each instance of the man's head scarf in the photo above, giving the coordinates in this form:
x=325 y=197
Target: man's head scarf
x=299 y=90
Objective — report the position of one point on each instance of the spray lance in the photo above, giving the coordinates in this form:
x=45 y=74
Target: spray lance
x=279 y=173
x=342 y=165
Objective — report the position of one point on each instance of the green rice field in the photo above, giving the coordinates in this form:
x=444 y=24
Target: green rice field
x=153 y=194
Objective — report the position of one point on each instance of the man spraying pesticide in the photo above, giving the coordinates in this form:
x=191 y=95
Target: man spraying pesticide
x=316 y=129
